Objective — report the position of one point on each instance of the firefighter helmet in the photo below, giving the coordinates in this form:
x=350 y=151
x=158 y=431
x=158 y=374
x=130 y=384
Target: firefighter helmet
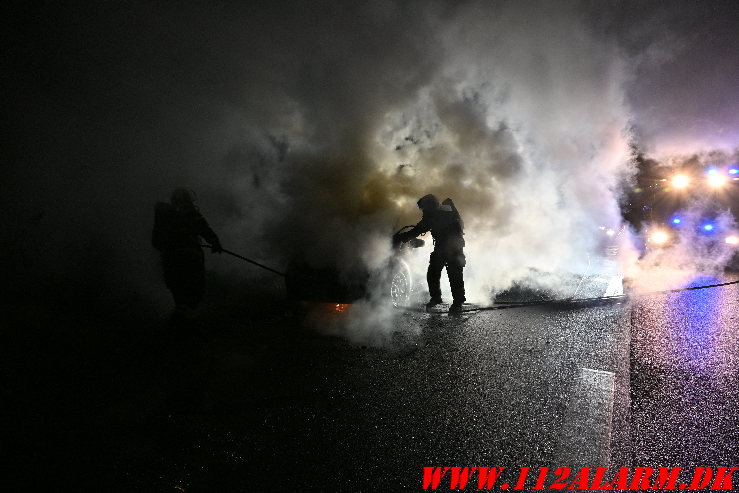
x=428 y=202
x=183 y=197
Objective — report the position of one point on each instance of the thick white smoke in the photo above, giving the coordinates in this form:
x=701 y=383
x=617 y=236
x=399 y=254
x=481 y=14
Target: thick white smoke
x=688 y=254
x=515 y=111
x=522 y=123
x=310 y=130
x=690 y=249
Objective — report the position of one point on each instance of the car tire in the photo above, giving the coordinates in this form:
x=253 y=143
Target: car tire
x=400 y=285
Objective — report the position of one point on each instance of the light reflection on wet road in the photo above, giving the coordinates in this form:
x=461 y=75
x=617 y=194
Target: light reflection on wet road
x=487 y=388
x=685 y=377
x=271 y=400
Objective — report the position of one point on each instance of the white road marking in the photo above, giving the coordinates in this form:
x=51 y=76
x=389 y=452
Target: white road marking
x=615 y=286
x=585 y=437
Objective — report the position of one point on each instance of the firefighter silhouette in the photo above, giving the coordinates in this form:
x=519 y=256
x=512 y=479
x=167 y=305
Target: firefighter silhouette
x=178 y=226
x=447 y=229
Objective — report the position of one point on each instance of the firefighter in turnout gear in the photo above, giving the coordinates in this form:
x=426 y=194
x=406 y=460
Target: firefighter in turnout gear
x=178 y=227
x=447 y=230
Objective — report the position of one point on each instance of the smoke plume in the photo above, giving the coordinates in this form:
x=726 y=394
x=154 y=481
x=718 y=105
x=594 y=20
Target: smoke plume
x=309 y=130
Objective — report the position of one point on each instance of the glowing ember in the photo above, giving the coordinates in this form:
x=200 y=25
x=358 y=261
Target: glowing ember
x=341 y=307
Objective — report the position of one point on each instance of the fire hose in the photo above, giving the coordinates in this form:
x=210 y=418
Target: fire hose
x=522 y=304
x=247 y=260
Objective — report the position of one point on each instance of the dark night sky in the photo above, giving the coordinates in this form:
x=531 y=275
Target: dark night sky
x=290 y=120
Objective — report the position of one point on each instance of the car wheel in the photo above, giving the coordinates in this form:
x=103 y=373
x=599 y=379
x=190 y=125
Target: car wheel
x=400 y=285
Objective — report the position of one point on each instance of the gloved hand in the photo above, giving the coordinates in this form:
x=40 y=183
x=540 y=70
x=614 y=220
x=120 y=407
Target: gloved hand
x=215 y=246
x=402 y=237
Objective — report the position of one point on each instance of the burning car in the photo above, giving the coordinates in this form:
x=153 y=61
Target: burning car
x=335 y=285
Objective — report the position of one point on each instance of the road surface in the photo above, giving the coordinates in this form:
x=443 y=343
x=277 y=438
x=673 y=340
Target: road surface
x=264 y=402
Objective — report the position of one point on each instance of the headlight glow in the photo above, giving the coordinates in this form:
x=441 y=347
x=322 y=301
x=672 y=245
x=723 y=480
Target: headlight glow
x=680 y=181
x=732 y=240
x=660 y=237
x=716 y=180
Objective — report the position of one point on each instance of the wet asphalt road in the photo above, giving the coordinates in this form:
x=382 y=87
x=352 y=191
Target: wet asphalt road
x=253 y=400
x=685 y=377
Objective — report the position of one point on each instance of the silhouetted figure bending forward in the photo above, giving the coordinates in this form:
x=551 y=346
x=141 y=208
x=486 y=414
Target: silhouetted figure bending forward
x=447 y=229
